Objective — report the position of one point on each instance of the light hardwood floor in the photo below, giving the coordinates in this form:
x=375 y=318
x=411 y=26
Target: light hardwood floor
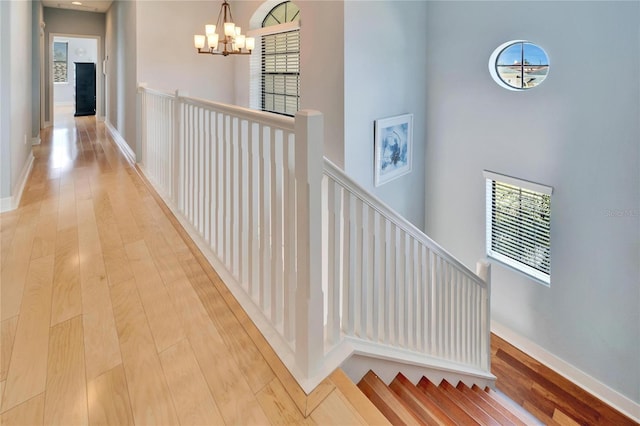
x=110 y=315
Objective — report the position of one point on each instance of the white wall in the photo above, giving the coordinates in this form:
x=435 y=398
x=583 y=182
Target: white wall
x=167 y=59
x=578 y=132
x=15 y=93
x=384 y=76
x=78 y=50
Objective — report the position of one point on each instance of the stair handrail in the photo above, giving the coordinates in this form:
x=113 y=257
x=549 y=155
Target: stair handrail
x=377 y=204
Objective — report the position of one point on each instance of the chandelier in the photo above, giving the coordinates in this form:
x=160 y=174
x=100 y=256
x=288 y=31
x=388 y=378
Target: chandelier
x=233 y=42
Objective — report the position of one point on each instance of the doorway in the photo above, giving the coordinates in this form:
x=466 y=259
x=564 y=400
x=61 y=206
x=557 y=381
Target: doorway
x=65 y=50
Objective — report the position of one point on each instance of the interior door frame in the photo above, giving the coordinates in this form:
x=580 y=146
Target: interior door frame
x=99 y=78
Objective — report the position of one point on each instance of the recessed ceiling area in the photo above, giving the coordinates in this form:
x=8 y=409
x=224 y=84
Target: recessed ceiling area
x=82 y=5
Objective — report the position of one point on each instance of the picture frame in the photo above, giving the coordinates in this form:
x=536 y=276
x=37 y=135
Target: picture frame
x=393 y=144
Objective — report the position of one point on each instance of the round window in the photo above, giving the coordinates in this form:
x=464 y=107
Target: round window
x=519 y=65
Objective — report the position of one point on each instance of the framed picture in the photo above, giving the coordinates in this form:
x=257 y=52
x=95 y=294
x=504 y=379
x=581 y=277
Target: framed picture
x=393 y=147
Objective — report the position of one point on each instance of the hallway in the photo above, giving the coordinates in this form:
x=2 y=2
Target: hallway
x=110 y=315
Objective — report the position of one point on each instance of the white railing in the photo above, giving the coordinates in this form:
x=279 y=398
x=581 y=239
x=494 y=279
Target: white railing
x=321 y=266
x=389 y=283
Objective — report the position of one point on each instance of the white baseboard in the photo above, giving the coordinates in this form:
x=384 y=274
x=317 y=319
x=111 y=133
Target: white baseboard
x=598 y=389
x=101 y=118
x=36 y=140
x=47 y=124
x=12 y=202
x=122 y=144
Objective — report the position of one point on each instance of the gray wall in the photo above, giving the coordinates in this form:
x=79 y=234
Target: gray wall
x=5 y=106
x=322 y=78
x=36 y=46
x=121 y=69
x=577 y=132
x=72 y=22
x=15 y=92
x=171 y=26
x=384 y=76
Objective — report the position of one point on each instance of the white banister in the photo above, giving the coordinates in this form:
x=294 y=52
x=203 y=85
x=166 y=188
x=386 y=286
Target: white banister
x=483 y=270
x=282 y=225
x=309 y=308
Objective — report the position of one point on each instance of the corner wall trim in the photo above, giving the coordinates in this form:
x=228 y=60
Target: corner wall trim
x=122 y=144
x=12 y=202
x=598 y=389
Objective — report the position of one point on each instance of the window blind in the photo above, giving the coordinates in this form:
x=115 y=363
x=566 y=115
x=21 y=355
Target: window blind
x=281 y=72
x=519 y=227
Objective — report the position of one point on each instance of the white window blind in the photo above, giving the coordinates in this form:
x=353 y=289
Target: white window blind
x=281 y=72
x=519 y=224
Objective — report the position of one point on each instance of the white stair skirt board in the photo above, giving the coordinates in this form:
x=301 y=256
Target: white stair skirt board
x=568 y=371
x=360 y=363
x=12 y=202
x=122 y=144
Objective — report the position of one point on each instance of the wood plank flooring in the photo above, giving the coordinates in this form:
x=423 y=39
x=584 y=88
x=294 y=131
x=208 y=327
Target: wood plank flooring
x=109 y=315
x=544 y=393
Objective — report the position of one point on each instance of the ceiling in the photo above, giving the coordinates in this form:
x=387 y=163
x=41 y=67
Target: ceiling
x=86 y=6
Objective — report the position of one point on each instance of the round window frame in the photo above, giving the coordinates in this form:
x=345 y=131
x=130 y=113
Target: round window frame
x=493 y=65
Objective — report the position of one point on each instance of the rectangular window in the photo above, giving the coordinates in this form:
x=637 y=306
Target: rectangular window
x=519 y=224
x=281 y=72
x=60 y=67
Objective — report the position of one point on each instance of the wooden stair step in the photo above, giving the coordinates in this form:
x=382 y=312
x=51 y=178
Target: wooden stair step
x=423 y=406
x=509 y=412
x=390 y=404
x=496 y=414
x=452 y=409
x=480 y=415
x=514 y=408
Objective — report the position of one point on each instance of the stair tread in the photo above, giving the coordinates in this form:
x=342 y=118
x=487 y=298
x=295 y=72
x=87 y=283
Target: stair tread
x=496 y=414
x=507 y=411
x=480 y=415
x=423 y=406
x=513 y=407
x=441 y=398
x=392 y=406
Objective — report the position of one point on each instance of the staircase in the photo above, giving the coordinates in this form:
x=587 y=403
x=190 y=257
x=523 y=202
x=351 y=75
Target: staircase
x=402 y=402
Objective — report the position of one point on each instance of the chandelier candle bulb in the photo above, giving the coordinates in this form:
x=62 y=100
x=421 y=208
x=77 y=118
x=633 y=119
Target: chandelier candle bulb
x=198 y=41
x=229 y=29
x=250 y=43
x=213 y=41
x=240 y=41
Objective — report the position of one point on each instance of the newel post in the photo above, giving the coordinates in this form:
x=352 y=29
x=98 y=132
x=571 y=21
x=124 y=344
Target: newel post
x=483 y=269
x=309 y=129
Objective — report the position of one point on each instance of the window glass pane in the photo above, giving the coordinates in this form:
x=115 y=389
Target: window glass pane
x=281 y=72
x=522 y=65
x=512 y=55
x=284 y=12
x=512 y=75
x=519 y=228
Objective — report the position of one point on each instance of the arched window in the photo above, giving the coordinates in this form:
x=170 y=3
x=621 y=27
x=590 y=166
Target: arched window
x=280 y=57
